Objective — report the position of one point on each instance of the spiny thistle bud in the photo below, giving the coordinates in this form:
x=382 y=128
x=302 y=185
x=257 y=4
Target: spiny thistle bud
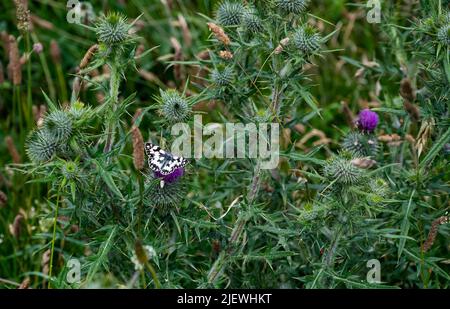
x=230 y=13
x=308 y=213
x=77 y=110
x=444 y=35
x=367 y=120
x=293 y=6
x=251 y=22
x=163 y=198
x=41 y=146
x=379 y=189
x=307 y=39
x=112 y=28
x=174 y=107
x=363 y=145
x=58 y=125
x=223 y=77
x=340 y=169
x=70 y=170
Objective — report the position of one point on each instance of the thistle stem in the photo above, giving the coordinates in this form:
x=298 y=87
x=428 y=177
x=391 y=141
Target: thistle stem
x=52 y=250
x=114 y=84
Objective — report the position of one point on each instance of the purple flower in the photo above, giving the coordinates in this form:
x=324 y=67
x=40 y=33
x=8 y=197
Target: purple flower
x=367 y=120
x=172 y=177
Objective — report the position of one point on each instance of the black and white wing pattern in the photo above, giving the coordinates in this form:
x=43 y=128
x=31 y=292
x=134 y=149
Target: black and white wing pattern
x=162 y=161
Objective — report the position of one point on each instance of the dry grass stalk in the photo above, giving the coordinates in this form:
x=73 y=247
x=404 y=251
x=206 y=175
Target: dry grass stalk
x=178 y=56
x=23 y=15
x=3 y=199
x=187 y=37
x=55 y=52
x=25 y=284
x=433 y=232
x=12 y=150
x=424 y=134
x=45 y=24
x=2 y=73
x=16 y=227
x=364 y=163
x=14 y=67
x=138 y=148
x=283 y=43
x=219 y=33
x=88 y=56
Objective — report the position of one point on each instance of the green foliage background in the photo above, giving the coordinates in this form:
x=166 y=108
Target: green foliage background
x=284 y=233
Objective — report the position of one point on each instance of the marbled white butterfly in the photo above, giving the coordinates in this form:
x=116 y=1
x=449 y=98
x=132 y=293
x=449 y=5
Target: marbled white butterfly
x=162 y=161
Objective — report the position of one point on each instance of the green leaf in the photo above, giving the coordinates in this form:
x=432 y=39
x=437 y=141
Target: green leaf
x=435 y=149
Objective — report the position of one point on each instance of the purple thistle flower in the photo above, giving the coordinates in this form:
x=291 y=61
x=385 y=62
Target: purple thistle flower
x=367 y=120
x=172 y=177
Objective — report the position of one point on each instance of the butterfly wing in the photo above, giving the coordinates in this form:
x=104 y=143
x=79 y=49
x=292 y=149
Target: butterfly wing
x=155 y=156
x=162 y=161
x=172 y=163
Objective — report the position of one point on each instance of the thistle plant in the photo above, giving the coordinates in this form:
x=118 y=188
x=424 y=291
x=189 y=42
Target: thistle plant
x=91 y=176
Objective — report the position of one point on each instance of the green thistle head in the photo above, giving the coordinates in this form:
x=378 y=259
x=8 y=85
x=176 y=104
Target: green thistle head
x=362 y=145
x=444 y=35
x=41 y=146
x=230 y=13
x=223 y=77
x=293 y=6
x=307 y=39
x=379 y=189
x=70 y=170
x=112 y=29
x=174 y=107
x=251 y=22
x=164 y=198
x=77 y=110
x=58 y=125
x=340 y=169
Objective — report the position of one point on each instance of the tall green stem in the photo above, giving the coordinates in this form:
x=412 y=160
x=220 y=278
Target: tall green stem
x=114 y=84
x=52 y=250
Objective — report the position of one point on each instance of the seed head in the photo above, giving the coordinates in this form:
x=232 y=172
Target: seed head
x=58 y=124
x=229 y=13
x=251 y=22
x=219 y=33
x=112 y=29
x=340 y=168
x=163 y=198
x=41 y=146
x=222 y=77
x=307 y=39
x=362 y=145
x=444 y=35
x=293 y=6
x=174 y=107
x=70 y=170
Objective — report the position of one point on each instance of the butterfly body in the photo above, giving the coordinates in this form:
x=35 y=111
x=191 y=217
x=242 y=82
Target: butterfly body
x=163 y=162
